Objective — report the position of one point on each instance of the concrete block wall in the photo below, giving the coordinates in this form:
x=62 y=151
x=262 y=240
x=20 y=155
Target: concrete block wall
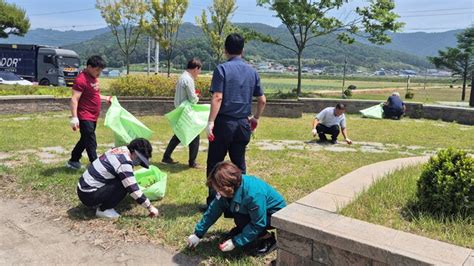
x=135 y=105
x=274 y=108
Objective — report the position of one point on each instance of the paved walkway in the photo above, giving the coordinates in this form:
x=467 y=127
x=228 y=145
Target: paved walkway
x=31 y=235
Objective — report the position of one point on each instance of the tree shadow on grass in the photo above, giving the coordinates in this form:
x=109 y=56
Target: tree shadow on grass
x=173 y=168
x=61 y=170
x=412 y=212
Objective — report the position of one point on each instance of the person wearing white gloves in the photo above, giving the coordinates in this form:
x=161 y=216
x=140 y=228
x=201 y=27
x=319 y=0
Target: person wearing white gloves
x=85 y=109
x=328 y=121
x=249 y=201
x=110 y=178
x=230 y=124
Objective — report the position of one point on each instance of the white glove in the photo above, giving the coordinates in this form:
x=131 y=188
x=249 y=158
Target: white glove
x=314 y=132
x=193 y=241
x=227 y=246
x=209 y=128
x=74 y=122
x=153 y=211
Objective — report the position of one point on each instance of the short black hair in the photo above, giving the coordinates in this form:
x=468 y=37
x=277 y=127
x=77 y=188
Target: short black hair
x=141 y=145
x=234 y=44
x=96 y=61
x=340 y=106
x=193 y=63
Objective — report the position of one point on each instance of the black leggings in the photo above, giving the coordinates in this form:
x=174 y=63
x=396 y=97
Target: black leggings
x=106 y=197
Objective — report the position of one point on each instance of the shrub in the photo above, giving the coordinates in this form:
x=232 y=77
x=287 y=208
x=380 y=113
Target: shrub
x=153 y=85
x=409 y=95
x=446 y=185
x=351 y=87
x=34 y=90
x=347 y=93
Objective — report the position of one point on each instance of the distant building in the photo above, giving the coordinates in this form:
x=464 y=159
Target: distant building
x=114 y=73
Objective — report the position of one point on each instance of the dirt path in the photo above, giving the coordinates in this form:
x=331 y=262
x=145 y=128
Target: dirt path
x=30 y=234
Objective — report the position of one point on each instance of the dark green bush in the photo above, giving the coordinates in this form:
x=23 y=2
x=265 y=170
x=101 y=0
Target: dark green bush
x=351 y=87
x=446 y=185
x=348 y=93
x=153 y=85
x=409 y=95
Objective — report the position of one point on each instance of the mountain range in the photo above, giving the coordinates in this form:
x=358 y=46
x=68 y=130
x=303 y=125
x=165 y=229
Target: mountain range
x=407 y=50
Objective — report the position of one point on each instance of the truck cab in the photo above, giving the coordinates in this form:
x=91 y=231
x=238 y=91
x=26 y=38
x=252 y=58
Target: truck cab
x=46 y=65
x=57 y=66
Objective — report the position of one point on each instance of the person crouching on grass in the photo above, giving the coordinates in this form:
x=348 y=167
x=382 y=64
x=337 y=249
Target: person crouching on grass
x=247 y=199
x=110 y=177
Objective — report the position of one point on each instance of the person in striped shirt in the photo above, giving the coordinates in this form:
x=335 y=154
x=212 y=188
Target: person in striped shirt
x=110 y=177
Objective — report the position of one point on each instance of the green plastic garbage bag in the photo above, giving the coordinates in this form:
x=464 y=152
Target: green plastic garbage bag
x=188 y=120
x=152 y=182
x=124 y=125
x=375 y=111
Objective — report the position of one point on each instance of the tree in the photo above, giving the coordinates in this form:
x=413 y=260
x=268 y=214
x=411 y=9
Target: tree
x=123 y=18
x=220 y=13
x=460 y=59
x=165 y=19
x=306 y=20
x=13 y=20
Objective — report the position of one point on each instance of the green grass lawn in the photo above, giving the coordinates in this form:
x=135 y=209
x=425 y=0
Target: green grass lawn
x=295 y=173
x=388 y=203
x=436 y=89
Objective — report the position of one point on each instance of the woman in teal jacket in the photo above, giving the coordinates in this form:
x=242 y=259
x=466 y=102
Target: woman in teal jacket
x=249 y=200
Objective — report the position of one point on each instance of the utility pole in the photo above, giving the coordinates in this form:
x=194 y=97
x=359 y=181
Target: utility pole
x=344 y=74
x=149 y=56
x=157 y=57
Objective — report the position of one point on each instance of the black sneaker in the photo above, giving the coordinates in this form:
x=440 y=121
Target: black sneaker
x=168 y=161
x=266 y=246
x=334 y=141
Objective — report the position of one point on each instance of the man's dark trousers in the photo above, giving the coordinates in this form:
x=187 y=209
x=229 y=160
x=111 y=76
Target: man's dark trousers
x=193 y=149
x=87 y=141
x=231 y=135
x=389 y=112
x=322 y=130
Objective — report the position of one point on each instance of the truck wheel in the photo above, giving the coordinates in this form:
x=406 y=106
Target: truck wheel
x=45 y=82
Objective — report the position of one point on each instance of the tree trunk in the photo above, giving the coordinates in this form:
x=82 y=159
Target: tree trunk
x=298 y=87
x=464 y=81
x=471 y=99
x=169 y=66
x=127 y=62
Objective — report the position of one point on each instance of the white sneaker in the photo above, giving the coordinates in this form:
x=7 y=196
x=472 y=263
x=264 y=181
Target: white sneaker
x=109 y=214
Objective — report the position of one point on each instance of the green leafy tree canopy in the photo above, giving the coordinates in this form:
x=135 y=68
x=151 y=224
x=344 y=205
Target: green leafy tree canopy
x=459 y=60
x=13 y=20
x=306 y=20
x=220 y=26
x=123 y=18
x=163 y=24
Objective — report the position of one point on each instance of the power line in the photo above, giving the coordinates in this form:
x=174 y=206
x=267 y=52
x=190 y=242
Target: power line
x=62 y=12
x=435 y=10
x=435 y=15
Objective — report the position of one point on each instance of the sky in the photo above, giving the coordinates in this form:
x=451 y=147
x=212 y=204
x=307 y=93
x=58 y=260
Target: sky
x=419 y=15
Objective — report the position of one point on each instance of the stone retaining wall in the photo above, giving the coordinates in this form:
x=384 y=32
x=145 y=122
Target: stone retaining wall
x=274 y=108
x=135 y=105
x=311 y=232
